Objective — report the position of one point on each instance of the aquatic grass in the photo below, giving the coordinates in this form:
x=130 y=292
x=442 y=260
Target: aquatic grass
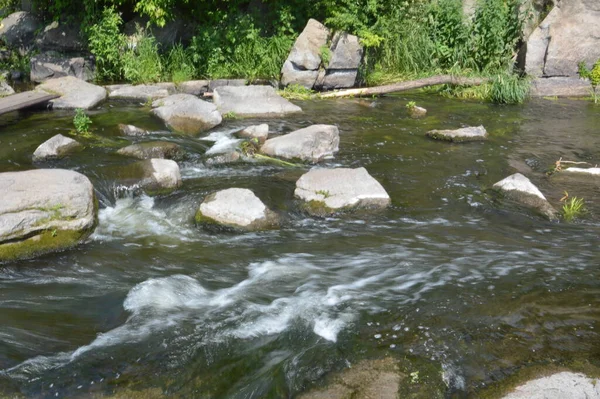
x=508 y=89
x=573 y=208
x=297 y=92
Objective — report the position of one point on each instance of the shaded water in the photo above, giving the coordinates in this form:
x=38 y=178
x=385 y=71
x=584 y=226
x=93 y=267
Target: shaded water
x=464 y=288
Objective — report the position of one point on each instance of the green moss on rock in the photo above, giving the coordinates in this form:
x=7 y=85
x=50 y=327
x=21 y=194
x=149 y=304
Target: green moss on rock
x=45 y=242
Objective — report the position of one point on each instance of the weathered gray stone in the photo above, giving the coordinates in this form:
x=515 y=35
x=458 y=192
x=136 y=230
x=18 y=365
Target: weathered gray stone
x=417 y=112
x=339 y=79
x=459 y=135
x=194 y=87
x=60 y=36
x=252 y=101
x=186 y=113
x=368 y=379
x=19 y=28
x=51 y=65
x=258 y=132
x=153 y=149
x=236 y=208
x=564 y=385
x=224 y=159
x=5 y=89
x=44 y=210
x=74 y=93
x=560 y=87
x=346 y=52
x=56 y=147
x=214 y=84
x=313 y=144
x=155 y=176
x=134 y=131
x=329 y=190
x=521 y=190
x=292 y=75
x=143 y=92
x=583 y=171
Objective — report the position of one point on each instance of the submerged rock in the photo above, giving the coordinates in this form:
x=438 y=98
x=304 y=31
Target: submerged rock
x=564 y=385
x=329 y=190
x=252 y=101
x=56 y=147
x=74 y=93
x=417 y=112
x=236 y=208
x=224 y=159
x=312 y=144
x=520 y=189
x=44 y=210
x=459 y=135
x=130 y=130
x=153 y=149
x=187 y=113
x=259 y=132
x=372 y=379
x=154 y=176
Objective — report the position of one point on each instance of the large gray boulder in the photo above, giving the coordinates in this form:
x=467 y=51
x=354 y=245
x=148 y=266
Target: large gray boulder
x=44 y=210
x=61 y=36
x=19 y=29
x=187 y=113
x=302 y=64
x=569 y=34
x=564 y=385
x=153 y=149
x=459 y=135
x=311 y=144
x=142 y=92
x=56 y=147
x=326 y=191
x=236 y=208
x=346 y=54
x=52 y=65
x=74 y=93
x=560 y=87
x=252 y=101
x=520 y=189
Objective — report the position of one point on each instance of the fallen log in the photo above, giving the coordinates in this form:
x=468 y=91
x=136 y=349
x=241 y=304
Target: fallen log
x=409 y=85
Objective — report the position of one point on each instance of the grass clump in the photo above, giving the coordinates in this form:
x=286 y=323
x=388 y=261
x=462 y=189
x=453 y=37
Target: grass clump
x=508 y=89
x=573 y=207
x=297 y=92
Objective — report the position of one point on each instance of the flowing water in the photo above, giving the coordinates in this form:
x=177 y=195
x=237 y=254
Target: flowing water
x=461 y=287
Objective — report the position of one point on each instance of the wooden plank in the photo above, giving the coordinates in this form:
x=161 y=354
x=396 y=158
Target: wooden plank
x=26 y=99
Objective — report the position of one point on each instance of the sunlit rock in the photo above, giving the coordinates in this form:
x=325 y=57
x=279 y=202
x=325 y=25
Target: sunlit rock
x=521 y=190
x=56 y=147
x=311 y=144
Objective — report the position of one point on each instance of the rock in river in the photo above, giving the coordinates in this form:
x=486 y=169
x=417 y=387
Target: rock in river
x=459 y=135
x=252 y=101
x=259 y=132
x=236 y=208
x=564 y=385
x=44 y=210
x=186 y=113
x=329 y=190
x=74 y=93
x=130 y=130
x=520 y=189
x=56 y=147
x=153 y=149
x=154 y=176
x=312 y=144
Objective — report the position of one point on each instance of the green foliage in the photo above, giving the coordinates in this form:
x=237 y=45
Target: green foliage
x=297 y=92
x=142 y=63
x=410 y=105
x=179 y=64
x=106 y=42
x=81 y=121
x=509 y=89
x=325 y=54
x=573 y=208
x=593 y=76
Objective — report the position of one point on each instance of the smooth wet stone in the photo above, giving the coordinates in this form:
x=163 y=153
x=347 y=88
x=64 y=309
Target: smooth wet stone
x=368 y=379
x=583 y=171
x=460 y=135
x=252 y=101
x=44 y=210
x=311 y=144
x=521 y=190
x=154 y=176
x=134 y=131
x=143 y=92
x=565 y=385
x=236 y=208
x=417 y=112
x=258 y=132
x=56 y=147
x=153 y=149
x=329 y=190
x=224 y=159
x=187 y=113
x=74 y=93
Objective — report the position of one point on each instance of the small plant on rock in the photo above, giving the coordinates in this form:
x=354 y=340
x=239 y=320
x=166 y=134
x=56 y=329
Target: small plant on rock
x=411 y=105
x=594 y=77
x=81 y=121
x=573 y=207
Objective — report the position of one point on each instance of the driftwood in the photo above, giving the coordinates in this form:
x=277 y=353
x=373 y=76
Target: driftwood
x=409 y=85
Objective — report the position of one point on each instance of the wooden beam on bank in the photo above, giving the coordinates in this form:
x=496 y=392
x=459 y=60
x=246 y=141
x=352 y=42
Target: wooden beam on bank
x=18 y=101
x=409 y=85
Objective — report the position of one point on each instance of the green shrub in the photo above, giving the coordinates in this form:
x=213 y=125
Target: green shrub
x=142 y=63
x=106 y=42
x=180 y=66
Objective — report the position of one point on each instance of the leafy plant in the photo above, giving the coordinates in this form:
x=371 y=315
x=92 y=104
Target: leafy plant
x=573 y=207
x=143 y=63
x=509 y=89
x=106 y=42
x=325 y=54
x=180 y=66
x=81 y=121
x=410 y=105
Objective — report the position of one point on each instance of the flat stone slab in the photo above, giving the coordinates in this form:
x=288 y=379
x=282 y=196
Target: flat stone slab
x=565 y=385
x=459 y=135
x=187 y=113
x=74 y=93
x=44 y=210
x=194 y=87
x=143 y=92
x=252 y=101
x=311 y=144
x=520 y=189
x=560 y=87
x=25 y=99
x=153 y=149
x=238 y=208
x=56 y=147
x=329 y=190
